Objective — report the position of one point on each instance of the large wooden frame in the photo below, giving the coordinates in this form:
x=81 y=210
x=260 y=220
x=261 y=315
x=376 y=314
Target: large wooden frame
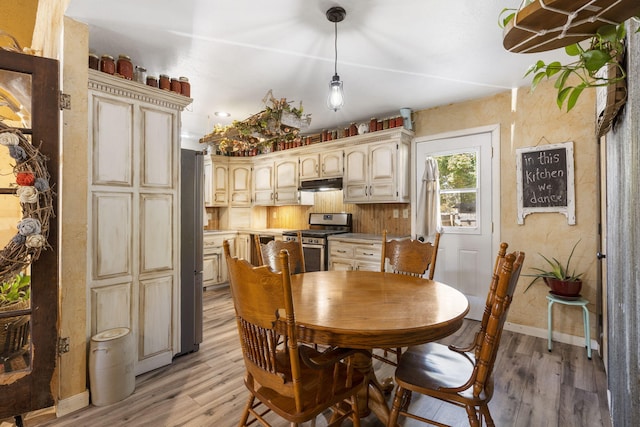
x=29 y=390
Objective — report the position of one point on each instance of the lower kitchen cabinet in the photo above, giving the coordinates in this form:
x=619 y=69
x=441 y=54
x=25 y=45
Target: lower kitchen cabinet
x=243 y=246
x=349 y=253
x=214 y=267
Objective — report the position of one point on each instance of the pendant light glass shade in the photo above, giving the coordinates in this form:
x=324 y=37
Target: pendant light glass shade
x=335 y=101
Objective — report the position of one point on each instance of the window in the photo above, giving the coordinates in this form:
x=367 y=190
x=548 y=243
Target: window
x=459 y=189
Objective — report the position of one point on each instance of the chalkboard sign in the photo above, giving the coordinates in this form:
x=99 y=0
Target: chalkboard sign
x=545 y=180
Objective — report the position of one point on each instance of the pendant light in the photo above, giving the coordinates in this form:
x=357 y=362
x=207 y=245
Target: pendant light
x=335 y=101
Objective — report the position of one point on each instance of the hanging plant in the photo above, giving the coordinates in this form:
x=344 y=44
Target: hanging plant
x=278 y=122
x=606 y=48
x=597 y=57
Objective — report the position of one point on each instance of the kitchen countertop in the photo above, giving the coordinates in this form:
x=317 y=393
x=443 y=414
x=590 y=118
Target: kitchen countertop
x=260 y=231
x=364 y=237
x=215 y=232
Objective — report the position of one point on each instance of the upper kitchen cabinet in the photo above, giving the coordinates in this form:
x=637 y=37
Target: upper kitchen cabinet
x=134 y=252
x=378 y=172
x=229 y=182
x=217 y=181
x=207 y=168
x=240 y=182
x=275 y=182
x=326 y=164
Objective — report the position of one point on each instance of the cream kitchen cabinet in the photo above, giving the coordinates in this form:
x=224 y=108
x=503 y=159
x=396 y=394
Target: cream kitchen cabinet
x=360 y=253
x=377 y=172
x=275 y=183
x=243 y=246
x=216 y=181
x=229 y=182
x=214 y=267
x=208 y=181
x=133 y=213
x=321 y=165
x=240 y=182
x=219 y=181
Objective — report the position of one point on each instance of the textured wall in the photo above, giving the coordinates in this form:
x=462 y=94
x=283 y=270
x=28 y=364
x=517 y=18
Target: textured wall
x=623 y=248
x=534 y=120
x=17 y=17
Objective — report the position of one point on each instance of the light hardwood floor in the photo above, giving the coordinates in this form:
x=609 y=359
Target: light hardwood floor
x=533 y=387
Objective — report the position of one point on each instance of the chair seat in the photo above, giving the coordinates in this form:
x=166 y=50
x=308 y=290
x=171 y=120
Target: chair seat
x=434 y=366
x=315 y=380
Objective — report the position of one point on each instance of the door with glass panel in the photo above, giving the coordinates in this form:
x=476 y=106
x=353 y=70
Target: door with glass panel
x=29 y=130
x=467 y=213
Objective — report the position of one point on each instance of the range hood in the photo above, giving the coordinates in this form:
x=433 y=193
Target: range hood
x=323 y=184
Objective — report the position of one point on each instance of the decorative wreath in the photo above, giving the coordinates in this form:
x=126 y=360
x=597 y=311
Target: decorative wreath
x=36 y=201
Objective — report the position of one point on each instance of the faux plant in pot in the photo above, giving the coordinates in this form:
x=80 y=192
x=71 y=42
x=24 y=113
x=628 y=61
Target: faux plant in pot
x=15 y=293
x=559 y=278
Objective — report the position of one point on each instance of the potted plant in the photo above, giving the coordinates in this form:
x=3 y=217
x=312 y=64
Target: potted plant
x=15 y=293
x=561 y=280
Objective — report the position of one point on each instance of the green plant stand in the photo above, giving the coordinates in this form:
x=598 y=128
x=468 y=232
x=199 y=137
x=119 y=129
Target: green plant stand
x=581 y=302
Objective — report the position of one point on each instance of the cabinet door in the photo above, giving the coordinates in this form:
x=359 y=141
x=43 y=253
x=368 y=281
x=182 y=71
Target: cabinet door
x=341 y=264
x=367 y=266
x=243 y=246
x=309 y=167
x=382 y=172
x=223 y=273
x=356 y=182
x=240 y=188
x=331 y=164
x=263 y=185
x=220 y=184
x=286 y=176
x=208 y=181
x=209 y=270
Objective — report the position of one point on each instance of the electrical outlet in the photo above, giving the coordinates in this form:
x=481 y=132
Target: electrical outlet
x=405 y=213
x=274 y=215
x=395 y=213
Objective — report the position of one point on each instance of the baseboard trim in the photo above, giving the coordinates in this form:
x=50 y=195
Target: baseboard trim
x=557 y=336
x=72 y=404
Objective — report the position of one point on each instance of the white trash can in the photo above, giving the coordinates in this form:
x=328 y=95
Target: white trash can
x=111 y=375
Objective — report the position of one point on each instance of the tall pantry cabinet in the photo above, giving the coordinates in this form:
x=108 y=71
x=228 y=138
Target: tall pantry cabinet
x=133 y=260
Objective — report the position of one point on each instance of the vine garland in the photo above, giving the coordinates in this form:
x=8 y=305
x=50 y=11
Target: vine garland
x=36 y=202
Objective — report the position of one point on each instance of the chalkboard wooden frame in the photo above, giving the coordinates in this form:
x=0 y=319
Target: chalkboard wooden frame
x=545 y=180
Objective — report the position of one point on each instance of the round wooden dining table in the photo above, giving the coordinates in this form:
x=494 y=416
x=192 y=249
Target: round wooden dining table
x=366 y=310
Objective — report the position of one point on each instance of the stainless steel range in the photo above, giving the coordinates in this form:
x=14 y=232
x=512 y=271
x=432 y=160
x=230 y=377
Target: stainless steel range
x=314 y=239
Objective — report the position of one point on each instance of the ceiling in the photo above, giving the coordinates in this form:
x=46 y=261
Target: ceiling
x=391 y=54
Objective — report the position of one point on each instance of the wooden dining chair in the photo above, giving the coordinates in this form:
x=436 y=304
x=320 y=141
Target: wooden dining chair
x=268 y=253
x=462 y=378
x=284 y=376
x=411 y=257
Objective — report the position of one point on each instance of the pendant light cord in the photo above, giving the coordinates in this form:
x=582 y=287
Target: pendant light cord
x=335 y=24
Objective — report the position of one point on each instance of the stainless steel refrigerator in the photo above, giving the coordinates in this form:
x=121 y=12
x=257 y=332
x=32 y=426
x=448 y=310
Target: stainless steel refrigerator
x=191 y=246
